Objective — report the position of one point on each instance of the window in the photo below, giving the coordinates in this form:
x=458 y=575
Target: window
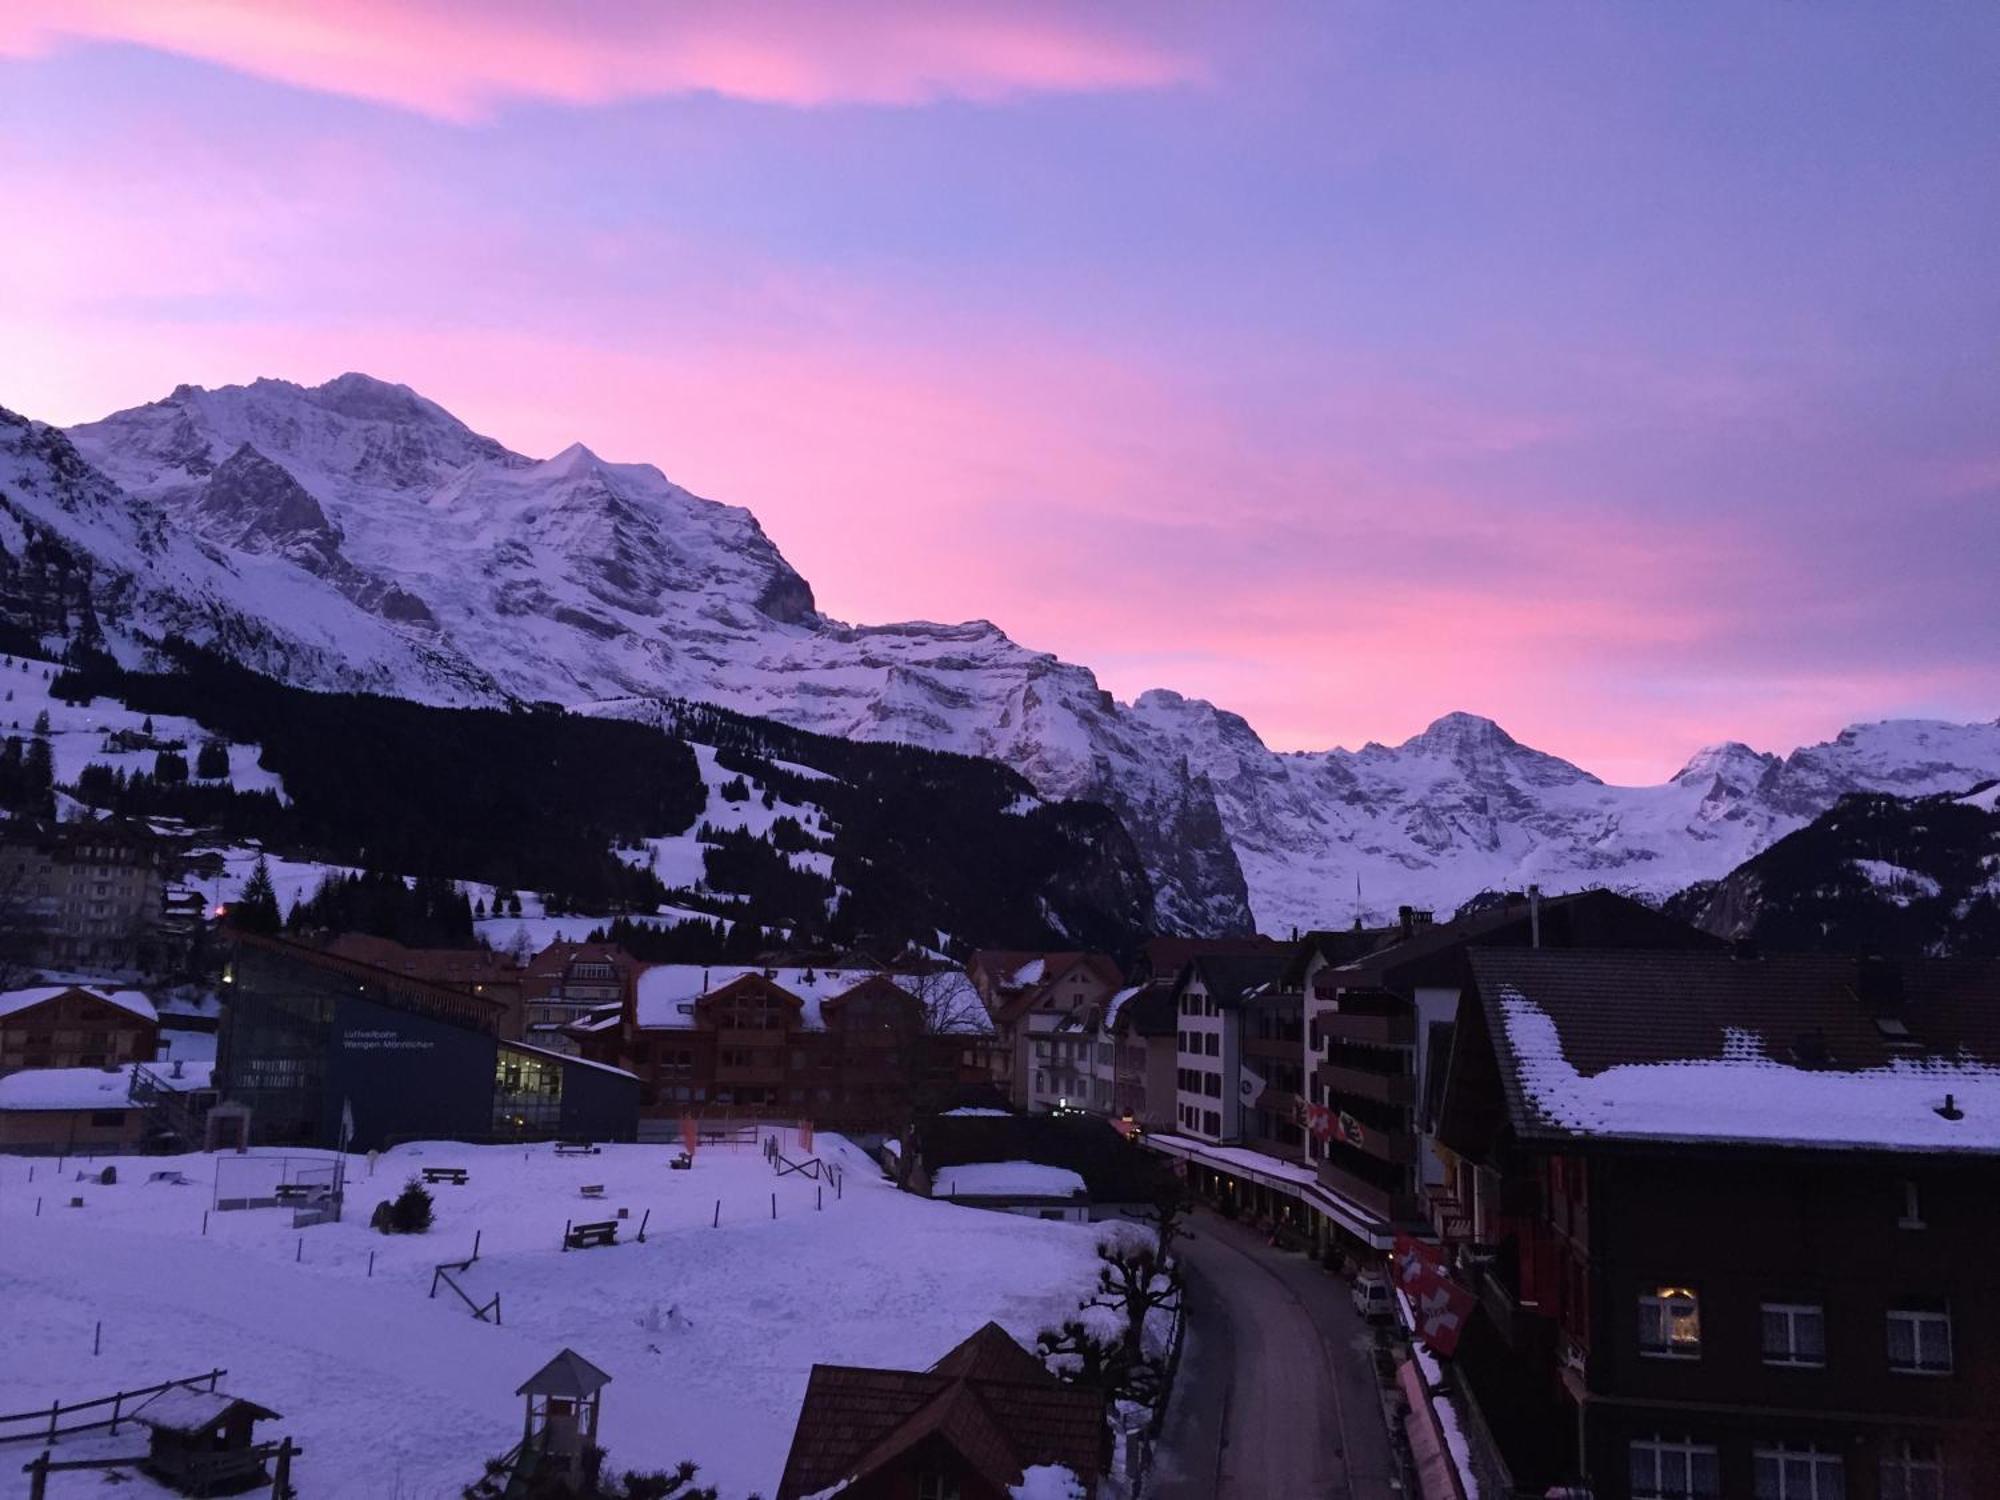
x=1211 y=1122
x=1913 y=1208
x=936 y=1487
x=1670 y=1323
x=1912 y=1470
x=1785 y=1472
x=1674 y=1469
x=1213 y=1044
x=1920 y=1338
x=1794 y=1333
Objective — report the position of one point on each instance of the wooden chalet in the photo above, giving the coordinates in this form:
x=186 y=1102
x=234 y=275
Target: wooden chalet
x=968 y=1427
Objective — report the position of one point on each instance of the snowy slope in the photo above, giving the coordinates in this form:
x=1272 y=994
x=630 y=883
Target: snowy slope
x=373 y=538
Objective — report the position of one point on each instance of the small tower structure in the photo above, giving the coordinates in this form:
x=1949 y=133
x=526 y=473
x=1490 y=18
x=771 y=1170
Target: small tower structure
x=560 y=1420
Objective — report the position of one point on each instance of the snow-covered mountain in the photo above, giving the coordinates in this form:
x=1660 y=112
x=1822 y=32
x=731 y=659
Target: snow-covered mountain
x=358 y=534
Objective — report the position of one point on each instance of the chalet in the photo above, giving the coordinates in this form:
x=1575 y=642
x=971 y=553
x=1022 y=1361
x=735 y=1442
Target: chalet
x=565 y=983
x=1048 y=1011
x=1726 y=1222
x=76 y=1026
x=968 y=1428
x=859 y=1048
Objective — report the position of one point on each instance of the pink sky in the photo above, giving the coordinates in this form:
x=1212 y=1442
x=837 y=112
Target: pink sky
x=1343 y=373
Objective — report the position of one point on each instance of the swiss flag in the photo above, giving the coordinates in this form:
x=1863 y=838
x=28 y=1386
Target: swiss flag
x=1441 y=1306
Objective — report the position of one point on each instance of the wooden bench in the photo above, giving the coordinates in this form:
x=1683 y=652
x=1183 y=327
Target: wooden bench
x=300 y=1192
x=575 y=1148
x=455 y=1175
x=584 y=1236
x=592 y=1190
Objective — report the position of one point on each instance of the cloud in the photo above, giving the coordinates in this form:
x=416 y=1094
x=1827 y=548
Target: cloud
x=463 y=60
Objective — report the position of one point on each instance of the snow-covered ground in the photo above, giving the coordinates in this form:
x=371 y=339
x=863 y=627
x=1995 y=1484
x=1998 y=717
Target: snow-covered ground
x=708 y=1333
x=78 y=735
x=677 y=859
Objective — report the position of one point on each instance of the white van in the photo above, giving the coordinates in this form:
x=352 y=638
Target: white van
x=1373 y=1297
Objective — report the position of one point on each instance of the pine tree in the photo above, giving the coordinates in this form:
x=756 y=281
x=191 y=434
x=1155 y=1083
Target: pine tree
x=212 y=764
x=256 y=908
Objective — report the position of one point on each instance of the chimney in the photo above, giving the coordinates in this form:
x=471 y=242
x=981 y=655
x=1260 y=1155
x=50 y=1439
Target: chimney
x=177 y=1068
x=1534 y=916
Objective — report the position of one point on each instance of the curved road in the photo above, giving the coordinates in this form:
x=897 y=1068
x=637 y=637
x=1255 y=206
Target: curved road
x=1276 y=1396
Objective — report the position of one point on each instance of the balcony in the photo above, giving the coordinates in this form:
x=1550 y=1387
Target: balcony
x=750 y=1036
x=772 y=1073
x=1379 y=1031
x=1359 y=1083
x=1390 y=1208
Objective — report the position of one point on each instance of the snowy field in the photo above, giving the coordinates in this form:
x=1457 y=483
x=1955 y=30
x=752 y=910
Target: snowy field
x=708 y=1333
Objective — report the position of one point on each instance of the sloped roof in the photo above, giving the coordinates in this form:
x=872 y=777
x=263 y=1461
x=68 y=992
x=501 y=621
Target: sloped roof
x=135 y=1001
x=1228 y=977
x=1582 y=919
x=1150 y=1012
x=992 y=1354
x=182 y=1410
x=1789 y=1050
x=569 y=1376
x=1004 y=1413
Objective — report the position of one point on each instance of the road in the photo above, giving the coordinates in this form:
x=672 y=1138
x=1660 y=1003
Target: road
x=1276 y=1395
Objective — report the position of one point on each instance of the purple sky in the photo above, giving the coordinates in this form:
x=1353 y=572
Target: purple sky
x=1629 y=373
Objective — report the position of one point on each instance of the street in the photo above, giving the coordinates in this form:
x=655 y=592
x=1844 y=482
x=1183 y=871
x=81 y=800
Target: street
x=1276 y=1395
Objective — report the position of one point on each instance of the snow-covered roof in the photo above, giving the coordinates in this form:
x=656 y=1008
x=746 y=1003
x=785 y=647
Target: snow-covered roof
x=1805 y=1051
x=666 y=993
x=90 y=1088
x=182 y=1410
x=134 y=1001
x=973 y=1112
x=1006 y=1179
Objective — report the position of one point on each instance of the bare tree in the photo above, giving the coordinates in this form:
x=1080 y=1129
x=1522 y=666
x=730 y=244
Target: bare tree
x=924 y=1040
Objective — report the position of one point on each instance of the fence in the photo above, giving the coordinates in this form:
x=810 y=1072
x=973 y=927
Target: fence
x=46 y=1425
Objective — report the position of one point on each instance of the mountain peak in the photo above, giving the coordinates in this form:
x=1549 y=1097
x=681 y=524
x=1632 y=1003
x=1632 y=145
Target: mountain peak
x=1460 y=731
x=1726 y=758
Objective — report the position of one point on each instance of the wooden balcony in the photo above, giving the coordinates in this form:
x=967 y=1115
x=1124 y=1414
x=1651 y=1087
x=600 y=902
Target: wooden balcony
x=772 y=1074
x=749 y=1036
x=1351 y=1026
x=1359 y=1083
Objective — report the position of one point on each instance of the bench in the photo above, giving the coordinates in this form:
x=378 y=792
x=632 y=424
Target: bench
x=592 y=1190
x=682 y=1162
x=300 y=1192
x=584 y=1236
x=575 y=1148
x=455 y=1175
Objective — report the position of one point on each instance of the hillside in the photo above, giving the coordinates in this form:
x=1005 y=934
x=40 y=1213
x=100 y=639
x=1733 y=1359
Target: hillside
x=698 y=811
x=1891 y=875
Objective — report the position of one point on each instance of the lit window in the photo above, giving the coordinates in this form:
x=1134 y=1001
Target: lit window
x=1794 y=1333
x=1670 y=1323
x=1912 y=1471
x=1674 y=1469
x=1786 y=1472
x=1920 y=1338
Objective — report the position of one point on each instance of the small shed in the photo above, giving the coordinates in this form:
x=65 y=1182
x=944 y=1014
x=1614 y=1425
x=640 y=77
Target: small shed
x=561 y=1417
x=202 y=1442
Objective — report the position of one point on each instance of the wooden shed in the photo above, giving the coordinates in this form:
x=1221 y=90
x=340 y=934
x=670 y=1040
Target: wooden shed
x=202 y=1442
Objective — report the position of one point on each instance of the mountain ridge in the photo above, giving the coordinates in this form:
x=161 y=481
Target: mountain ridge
x=469 y=573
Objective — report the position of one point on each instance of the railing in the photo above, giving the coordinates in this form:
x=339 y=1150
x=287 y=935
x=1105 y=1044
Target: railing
x=46 y=1425
x=443 y=1272
x=165 y=1106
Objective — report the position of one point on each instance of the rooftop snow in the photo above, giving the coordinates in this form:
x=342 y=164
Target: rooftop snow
x=1006 y=1179
x=134 y=1001
x=666 y=992
x=1746 y=1095
x=88 y=1088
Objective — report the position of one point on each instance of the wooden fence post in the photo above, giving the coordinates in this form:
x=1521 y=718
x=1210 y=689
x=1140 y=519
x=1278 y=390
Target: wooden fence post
x=38 y=1488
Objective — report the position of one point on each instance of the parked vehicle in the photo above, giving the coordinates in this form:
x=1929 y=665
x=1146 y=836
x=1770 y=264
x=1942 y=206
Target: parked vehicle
x=1373 y=1296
